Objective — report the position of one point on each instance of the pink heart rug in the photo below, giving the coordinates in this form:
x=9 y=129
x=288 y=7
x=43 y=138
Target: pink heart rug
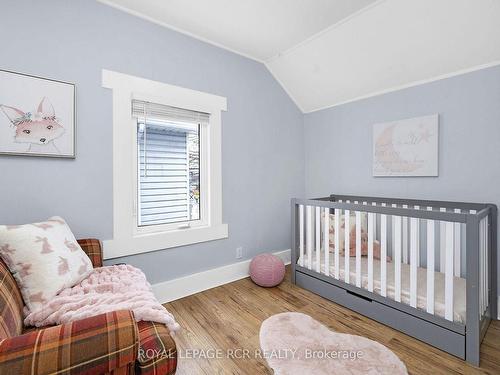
x=294 y=343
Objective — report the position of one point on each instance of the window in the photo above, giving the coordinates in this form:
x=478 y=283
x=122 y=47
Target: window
x=166 y=166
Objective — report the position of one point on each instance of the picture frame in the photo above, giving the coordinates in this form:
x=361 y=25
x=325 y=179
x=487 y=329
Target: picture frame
x=406 y=148
x=37 y=116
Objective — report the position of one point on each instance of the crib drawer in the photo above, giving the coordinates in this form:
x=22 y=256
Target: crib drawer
x=435 y=335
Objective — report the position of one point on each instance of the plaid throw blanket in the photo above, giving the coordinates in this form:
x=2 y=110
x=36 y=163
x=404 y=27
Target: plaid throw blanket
x=106 y=289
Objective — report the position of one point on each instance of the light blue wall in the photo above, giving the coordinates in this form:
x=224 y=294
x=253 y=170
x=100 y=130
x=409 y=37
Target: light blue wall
x=338 y=141
x=262 y=130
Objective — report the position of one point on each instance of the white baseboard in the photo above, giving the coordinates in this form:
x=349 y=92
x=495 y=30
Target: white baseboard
x=498 y=309
x=185 y=286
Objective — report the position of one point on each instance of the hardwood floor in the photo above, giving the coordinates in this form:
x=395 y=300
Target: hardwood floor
x=229 y=317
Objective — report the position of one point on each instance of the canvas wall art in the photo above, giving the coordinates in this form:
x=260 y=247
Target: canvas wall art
x=406 y=147
x=37 y=116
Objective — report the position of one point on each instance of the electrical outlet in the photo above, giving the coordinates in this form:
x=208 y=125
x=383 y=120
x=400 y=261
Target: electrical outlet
x=239 y=252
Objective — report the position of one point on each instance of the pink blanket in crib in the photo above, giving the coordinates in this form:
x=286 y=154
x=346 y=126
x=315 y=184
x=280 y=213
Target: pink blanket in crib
x=106 y=289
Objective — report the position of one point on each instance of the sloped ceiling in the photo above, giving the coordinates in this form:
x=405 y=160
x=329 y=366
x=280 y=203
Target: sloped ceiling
x=393 y=44
x=328 y=52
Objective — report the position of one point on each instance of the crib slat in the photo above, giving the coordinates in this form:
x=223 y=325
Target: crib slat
x=317 y=226
x=485 y=265
x=405 y=237
x=358 y=249
x=414 y=222
x=301 y=235
x=485 y=283
x=442 y=244
x=481 y=271
x=481 y=293
x=309 y=236
x=392 y=243
x=370 y=250
x=485 y=268
x=347 y=245
x=448 y=283
x=326 y=241
x=338 y=214
x=418 y=239
x=397 y=258
x=457 y=245
x=430 y=264
x=393 y=231
x=383 y=254
x=485 y=255
x=481 y=297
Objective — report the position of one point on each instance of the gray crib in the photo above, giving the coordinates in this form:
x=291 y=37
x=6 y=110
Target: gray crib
x=425 y=268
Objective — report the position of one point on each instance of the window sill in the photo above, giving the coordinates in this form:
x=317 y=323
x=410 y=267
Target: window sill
x=143 y=243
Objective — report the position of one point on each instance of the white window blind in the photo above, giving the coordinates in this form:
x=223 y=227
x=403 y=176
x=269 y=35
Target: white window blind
x=142 y=108
x=168 y=163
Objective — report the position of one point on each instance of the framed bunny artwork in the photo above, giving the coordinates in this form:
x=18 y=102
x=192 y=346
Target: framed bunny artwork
x=37 y=116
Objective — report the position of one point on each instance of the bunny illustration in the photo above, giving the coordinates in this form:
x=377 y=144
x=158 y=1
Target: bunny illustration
x=46 y=247
x=38 y=128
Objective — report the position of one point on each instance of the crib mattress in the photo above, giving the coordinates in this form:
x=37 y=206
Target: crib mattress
x=459 y=284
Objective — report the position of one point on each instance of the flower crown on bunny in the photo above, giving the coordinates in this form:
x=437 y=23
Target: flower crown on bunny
x=38 y=127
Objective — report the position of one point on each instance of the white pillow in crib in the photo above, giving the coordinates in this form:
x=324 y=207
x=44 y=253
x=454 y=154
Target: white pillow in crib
x=44 y=258
x=352 y=226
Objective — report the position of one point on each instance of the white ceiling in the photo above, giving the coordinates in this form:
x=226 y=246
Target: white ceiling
x=327 y=52
x=259 y=29
x=393 y=44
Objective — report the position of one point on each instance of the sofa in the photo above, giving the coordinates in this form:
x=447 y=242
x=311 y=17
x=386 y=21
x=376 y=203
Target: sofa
x=111 y=343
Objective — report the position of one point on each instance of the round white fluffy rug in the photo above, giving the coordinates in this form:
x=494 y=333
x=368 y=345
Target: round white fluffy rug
x=295 y=343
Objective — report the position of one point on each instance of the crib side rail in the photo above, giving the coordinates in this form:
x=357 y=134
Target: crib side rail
x=465 y=206
x=384 y=208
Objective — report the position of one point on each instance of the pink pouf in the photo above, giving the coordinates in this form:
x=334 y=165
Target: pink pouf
x=267 y=270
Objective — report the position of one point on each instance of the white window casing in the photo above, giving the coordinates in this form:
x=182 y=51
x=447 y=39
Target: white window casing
x=128 y=237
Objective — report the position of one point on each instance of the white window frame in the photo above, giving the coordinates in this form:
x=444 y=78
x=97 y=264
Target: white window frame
x=128 y=237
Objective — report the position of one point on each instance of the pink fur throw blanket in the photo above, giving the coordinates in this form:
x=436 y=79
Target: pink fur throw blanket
x=106 y=289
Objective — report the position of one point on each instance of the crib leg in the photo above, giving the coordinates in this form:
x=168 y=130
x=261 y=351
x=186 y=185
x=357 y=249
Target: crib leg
x=493 y=262
x=472 y=355
x=293 y=247
x=472 y=331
